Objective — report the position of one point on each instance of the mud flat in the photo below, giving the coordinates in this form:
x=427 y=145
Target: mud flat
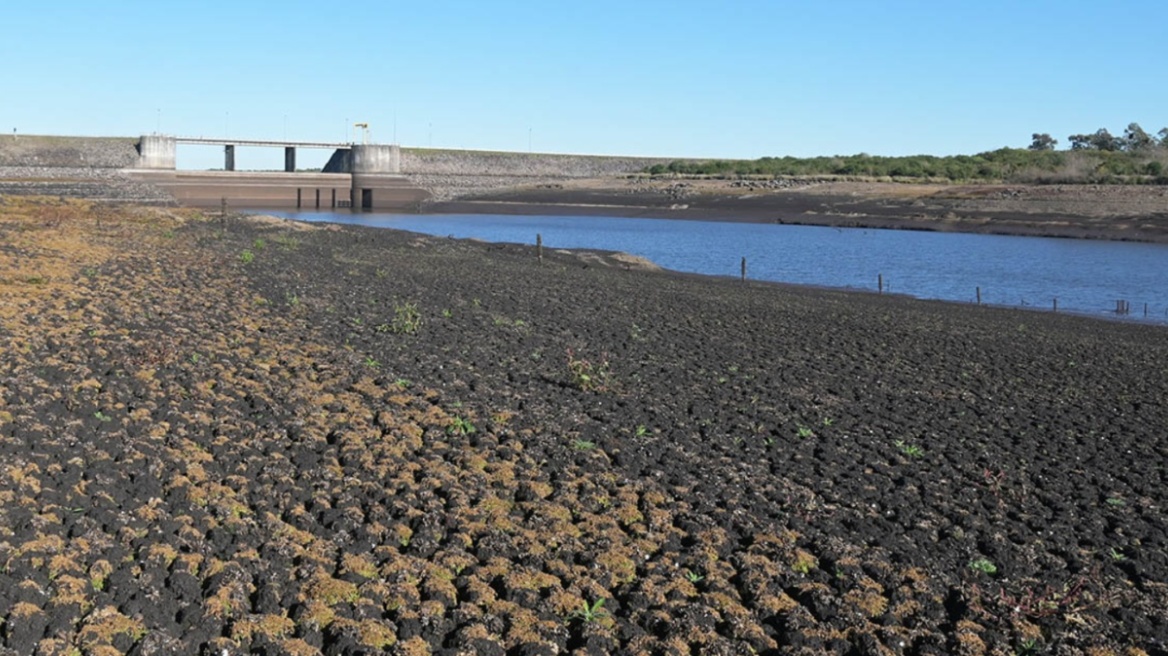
x=269 y=437
x=1118 y=212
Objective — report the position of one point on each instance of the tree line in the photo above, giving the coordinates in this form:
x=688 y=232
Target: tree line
x=1134 y=158
x=1134 y=139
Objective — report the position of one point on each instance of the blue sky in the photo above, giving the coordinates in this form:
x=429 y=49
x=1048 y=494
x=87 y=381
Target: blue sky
x=735 y=79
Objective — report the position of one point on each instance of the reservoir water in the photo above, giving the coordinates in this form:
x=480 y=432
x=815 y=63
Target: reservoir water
x=1086 y=276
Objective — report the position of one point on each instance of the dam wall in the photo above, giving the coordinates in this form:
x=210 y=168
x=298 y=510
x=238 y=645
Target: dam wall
x=67 y=152
x=450 y=174
x=104 y=167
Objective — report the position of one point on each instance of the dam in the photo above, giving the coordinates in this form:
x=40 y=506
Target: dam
x=376 y=177
x=359 y=176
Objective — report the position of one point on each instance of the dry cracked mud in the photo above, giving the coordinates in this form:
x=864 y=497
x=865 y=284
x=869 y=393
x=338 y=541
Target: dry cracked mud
x=242 y=436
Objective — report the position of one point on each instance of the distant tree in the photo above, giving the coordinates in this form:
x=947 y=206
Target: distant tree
x=1080 y=141
x=1102 y=140
x=1043 y=142
x=1134 y=138
x=1163 y=137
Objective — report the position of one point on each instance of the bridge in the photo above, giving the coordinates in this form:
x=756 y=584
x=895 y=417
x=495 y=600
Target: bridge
x=289 y=147
x=157 y=152
x=366 y=176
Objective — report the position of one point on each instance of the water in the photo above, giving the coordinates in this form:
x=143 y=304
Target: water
x=1086 y=276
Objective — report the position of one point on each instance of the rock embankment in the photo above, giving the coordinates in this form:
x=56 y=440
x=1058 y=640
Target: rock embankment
x=73 y=167
x=450 y=174
x=68 y=152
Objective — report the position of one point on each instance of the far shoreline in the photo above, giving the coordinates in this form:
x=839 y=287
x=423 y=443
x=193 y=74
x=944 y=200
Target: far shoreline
x=984 y=227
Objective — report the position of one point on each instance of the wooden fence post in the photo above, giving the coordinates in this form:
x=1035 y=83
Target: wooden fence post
x=880 y=283
x=743 y=269
x=979 y=295
x=539 y=247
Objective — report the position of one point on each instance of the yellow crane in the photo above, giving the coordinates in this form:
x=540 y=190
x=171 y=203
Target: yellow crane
x=364 y=127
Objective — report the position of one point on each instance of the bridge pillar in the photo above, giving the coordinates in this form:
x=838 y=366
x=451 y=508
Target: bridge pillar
x=156 y=152
x=374 y=167
x=229 y=157
x=290 y=159
x=375 y=158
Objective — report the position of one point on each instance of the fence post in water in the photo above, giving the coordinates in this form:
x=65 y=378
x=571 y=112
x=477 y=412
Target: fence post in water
x=880 y=283
x=539 y=247
x=744 y=269
x=1056 y=303
x=979 y=295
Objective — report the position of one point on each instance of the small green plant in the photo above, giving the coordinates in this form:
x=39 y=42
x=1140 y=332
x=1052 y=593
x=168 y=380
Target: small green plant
x=910 y=450
x=101 y=416
x=590 y=613
x=828 y=421
x=1028 y=647
x=693 y=577
x=1116 y=502
x=372 y=363
x=640 y=431
x=247 y=257
x=583 y=445
x=406 y=318
x=288 y=242
x=983 y=565
x=446 y=314
x=403 y=383
x=1117 y=555
x=195 y=357
x=258 y=244
x=588 y=376
x=805 y=432
x=460 y=426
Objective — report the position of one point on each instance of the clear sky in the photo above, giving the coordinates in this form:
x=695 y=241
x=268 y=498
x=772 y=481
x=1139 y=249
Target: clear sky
x=684 y=78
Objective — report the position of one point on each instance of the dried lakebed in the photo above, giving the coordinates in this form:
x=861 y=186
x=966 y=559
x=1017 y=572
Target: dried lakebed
x=271 y=438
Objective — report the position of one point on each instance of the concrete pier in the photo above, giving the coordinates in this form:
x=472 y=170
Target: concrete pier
x=375 y=159
x=290 y=159
x=229 y=157
x=156 y=152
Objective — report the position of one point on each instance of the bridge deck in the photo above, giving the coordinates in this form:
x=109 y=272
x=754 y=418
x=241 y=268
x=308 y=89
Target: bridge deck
x=258 y=142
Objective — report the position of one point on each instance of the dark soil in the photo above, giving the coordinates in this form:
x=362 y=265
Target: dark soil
x=265 y=438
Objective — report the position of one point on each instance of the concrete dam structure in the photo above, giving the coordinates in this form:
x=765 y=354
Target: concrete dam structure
x=376 y=177
x=359 y=176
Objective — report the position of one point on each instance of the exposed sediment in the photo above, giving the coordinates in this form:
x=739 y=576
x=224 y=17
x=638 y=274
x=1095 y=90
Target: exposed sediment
x=264 y=436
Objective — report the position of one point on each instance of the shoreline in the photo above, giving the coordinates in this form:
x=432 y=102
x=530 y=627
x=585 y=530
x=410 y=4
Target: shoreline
x=1063 y=211
x=630 y=262
x=1015 y=228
